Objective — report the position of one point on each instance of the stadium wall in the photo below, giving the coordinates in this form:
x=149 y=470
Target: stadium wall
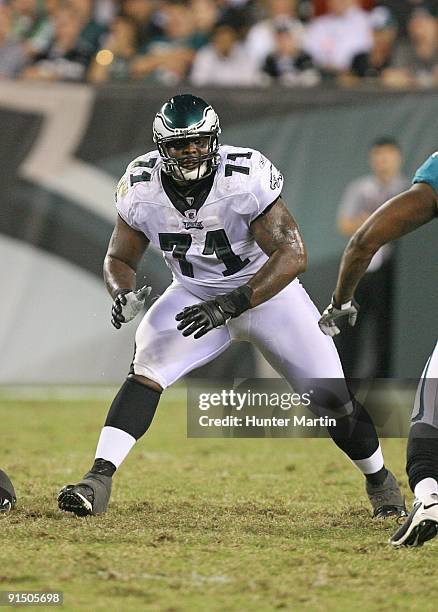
x=63 y=149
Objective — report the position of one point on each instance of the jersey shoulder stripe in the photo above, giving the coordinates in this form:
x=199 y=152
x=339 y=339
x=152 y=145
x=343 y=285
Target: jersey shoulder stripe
x=428 y=172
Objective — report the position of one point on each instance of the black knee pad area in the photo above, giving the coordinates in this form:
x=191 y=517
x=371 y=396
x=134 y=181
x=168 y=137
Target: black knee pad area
x=422 y=453
x=355 y=434
x=133 y=408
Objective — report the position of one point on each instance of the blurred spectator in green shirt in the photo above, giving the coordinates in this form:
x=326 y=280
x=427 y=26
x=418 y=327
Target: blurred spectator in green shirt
x=68 y=56
x=31 y=25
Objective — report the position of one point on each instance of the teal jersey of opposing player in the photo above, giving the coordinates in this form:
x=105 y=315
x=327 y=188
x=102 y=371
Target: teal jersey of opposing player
x=428 y=172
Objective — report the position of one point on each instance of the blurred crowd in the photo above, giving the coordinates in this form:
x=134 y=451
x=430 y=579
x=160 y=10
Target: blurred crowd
x=234 y=43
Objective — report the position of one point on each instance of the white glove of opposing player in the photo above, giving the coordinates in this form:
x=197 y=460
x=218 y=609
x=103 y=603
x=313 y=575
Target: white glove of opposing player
x=333 y=313
x=127 y=304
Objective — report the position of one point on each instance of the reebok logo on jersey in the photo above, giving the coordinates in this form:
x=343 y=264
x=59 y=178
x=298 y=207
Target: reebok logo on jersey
x=192 y=222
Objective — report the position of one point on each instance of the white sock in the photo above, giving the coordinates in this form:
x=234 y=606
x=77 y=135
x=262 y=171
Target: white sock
x=372 y=464
x=114 y=445
x=425 y=488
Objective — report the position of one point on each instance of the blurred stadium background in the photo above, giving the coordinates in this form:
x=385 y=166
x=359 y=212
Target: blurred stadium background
x=65 y=142
x=64 y=147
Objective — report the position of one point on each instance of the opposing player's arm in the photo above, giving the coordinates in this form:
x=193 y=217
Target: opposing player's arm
x=125 y=250
x=399 y=216
x=278 y=236
x=348 y=225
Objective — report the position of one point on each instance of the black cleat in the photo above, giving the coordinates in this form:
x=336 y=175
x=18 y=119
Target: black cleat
x=386 y=499
x=420 y=526
x=88 y=497
x=77 y=499
x=8 y=498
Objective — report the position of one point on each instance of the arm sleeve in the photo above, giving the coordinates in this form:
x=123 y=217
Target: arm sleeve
x=428 y=172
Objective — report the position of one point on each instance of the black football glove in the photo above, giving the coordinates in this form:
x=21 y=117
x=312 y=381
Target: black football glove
x=205 y=316
x=334 y=312
x=127 y=304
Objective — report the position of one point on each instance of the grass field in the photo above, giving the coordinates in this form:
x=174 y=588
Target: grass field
x=232 y=524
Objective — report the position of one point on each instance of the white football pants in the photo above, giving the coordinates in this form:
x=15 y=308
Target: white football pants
x=285 y=329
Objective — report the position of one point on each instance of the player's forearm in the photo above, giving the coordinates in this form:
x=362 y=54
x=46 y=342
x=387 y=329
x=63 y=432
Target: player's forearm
x=117 y=275
x=396 y=218
x=282 y=267
x=278 y=236
x=347 y=226
x=354 y=264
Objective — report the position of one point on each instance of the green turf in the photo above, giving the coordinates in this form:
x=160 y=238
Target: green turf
x=232 y=524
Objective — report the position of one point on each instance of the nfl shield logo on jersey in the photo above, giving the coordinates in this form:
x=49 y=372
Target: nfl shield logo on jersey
x=192 y=222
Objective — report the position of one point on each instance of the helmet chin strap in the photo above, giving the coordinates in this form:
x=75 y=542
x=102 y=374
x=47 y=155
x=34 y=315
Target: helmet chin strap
x=196 y=173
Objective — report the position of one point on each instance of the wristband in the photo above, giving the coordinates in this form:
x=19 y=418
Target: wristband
x=344 y=306
x=234 y=303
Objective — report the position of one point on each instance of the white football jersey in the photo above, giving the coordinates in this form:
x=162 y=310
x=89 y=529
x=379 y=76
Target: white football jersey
x=209 y=248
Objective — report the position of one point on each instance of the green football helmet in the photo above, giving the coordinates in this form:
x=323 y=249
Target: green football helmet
x=186 y=117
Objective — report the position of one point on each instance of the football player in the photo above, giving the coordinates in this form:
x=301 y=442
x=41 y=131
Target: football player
x=399 y=216
x=235 y=252
x=7 y=493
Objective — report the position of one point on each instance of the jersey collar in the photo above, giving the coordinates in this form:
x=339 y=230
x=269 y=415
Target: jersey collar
x=185 y=197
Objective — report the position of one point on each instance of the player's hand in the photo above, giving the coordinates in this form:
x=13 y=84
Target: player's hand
x=127 y=304
x=201 y=318
x=334 y=312
x=205 y=316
